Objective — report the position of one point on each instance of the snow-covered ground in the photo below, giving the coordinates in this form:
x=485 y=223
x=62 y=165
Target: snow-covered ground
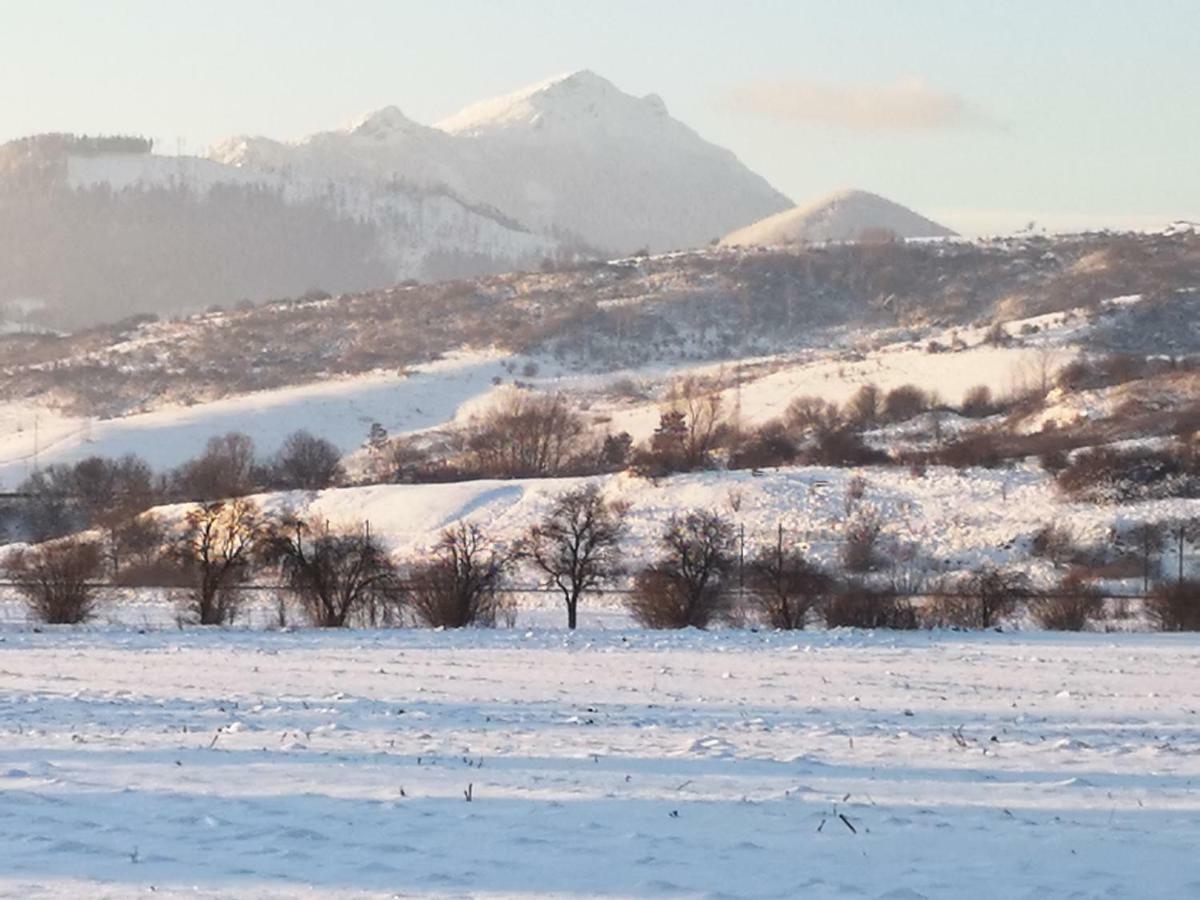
x=608 y=762
x=340 y=410
x=451 y=390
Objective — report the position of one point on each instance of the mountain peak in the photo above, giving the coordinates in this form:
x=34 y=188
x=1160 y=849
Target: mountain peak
x=570 y=100
x=382 y=123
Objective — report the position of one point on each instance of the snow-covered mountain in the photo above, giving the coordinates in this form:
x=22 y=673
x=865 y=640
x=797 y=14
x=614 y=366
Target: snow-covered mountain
x=570 y=157
x=844 y=216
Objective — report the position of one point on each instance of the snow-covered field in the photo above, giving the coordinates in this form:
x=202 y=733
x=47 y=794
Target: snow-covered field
x=608 y=762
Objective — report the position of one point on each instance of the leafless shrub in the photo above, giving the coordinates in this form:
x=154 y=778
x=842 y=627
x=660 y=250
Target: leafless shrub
x=1071 y=606
x=977 y=402
x=769 y=444
x=337 y=576
x=784 y=586
x=306 y=462
x=1175 y=606
x=864 y=409
x=577 y=546
x=982 y=449
x=1054 y=542
x=685 y=587
x=805 y=414
x=860 y=540
x=905 y=402
x=981 y=599
x=56 y=580
x=525 y=435
x=843 y=447
x=457 y=587
x=1104 y=474
x=857 y=605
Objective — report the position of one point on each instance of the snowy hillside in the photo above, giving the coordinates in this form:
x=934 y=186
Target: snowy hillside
x=569 y=156
x=416 y=225
x=844 y=216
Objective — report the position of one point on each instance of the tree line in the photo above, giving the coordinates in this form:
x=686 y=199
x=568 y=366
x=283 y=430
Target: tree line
x=700 y=575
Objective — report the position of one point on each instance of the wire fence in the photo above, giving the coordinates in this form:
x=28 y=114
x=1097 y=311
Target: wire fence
x=263 y=605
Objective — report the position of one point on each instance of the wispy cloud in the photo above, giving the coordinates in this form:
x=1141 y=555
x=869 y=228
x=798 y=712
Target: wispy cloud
x=905 y=105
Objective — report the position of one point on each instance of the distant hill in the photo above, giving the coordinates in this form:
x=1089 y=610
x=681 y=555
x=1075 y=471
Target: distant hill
x=95 y=229
x=844 y=216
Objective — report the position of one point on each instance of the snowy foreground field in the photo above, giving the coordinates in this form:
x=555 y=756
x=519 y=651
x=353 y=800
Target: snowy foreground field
x=609 y=762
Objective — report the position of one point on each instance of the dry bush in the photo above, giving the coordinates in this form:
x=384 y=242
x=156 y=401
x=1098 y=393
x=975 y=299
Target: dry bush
x=525 y=435
x=783 y=586
x=1175 y=606
x=1071 y=606
x=904 y=402
x=860 y=542
x=982 y=449
x=56 y=580
x=765 y=446
x=982 y=599
x=843 y=447
x=805 y=414
x=977 y=402
x=339 y=577
x=1055 y=543
x=457 y=587
x=306 y=462
x=1104 y=474
x=686 y=586
x=857 y=605
x=863 y=410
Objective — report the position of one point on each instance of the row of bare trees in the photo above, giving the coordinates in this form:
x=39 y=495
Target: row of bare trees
x=111 y=494
x=699 y=576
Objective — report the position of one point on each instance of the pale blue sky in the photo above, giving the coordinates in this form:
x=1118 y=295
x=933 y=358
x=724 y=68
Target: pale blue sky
x=983 y=113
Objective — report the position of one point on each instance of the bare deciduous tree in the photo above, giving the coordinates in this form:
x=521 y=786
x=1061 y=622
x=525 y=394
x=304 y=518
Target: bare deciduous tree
x=226 y=469
x=577 y=546
x=217 y=549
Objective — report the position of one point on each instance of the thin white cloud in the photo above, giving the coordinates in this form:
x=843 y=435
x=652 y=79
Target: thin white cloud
x=905 y=105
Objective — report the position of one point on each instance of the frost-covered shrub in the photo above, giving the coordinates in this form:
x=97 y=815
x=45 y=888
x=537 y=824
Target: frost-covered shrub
x=1175 y=606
